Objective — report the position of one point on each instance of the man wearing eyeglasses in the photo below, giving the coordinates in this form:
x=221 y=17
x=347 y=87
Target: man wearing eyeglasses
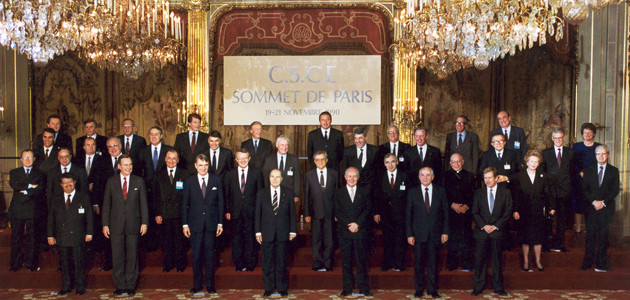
x=394 y=146
x=464 y=142
x=506 y=161
x=514 y=136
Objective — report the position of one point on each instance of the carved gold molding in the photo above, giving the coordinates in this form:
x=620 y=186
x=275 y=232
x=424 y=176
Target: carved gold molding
x=198 y=65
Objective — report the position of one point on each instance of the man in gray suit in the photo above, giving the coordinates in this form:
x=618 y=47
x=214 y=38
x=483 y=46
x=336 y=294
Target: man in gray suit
x=465 y=143
x=125 y=215
x=288 y=164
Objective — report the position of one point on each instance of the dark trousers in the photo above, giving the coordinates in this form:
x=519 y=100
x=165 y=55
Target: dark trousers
x=460 y=242
x=354 y=249
x=72 y=267
x=274 y=265
x=173 y=243
x=425 y=253
x=597 y=226
x=100 y=243
x=244 y=252
x=322 y=240
x=562 y=216
x=202 y=244
x=494 y=247
x=17 y=232
x=124 y=260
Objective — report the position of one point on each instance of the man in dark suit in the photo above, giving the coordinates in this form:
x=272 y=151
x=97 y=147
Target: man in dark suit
x=125 y=215
x=90 y=126
x=422 y=155
x=391 y=198
x=464 y=142
x=187 y=143
x=514 y=136
x=61 y=139
x=601 y=186
x=221 y=159
x=459 y=185
x=257 y=147
x=319 y=189
x=559 y=163
x=132 y=144
x=202 y=219
x=46 y=155
x=288 y=164
x=492 y=208
x=395 y=146
x=361 y=156
x=70 y=226
x=275 y=224
x=326 y=139
x=53 y=188
x=504 y=160
x=27 y=204
x=168 y=212
x=353 y=205
x=241 y=187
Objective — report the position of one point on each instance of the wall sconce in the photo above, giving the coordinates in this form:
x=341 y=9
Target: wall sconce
x=1 y=118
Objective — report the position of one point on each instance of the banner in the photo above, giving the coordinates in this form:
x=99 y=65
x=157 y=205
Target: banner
x=294 y=90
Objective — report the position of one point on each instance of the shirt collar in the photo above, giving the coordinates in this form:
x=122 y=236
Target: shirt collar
x=241 y=169
x=69 y=166
x=71 y=195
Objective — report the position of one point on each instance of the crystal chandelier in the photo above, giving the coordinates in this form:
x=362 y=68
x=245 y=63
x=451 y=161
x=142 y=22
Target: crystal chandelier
x=445 y=36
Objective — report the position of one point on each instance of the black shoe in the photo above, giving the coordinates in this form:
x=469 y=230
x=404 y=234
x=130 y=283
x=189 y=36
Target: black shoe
x=63 y=292
x=59 y=269
x=105 y=269
x=501 y=293
x=284 y=293
x=585 y=267
x=384 y=269
x=131 y=292
x=475 y=293
x=541 y=269
x=345 y=294
x=195 y=290
x=80 y=292
x=211 y=290
x=35 y=269
x=329 y=269
x=166 y=270
x=267 y=294
x=13 y=269
x=249 y=269
x=315 y=269
x=527 y=270
x=418 y=294
x=434 y=295
x=119 y=292
x=179 y=270
x=366 y=294
x=451 y=268
x=564 y=249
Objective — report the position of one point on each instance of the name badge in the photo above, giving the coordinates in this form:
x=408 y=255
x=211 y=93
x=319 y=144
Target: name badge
x=402 y=186
x=290 y=173
x=179 y=185
x=81 y=210
x=507 y=167
x=517 y=145
x=401 y=159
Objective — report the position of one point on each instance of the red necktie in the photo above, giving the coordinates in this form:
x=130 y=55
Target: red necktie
x=124 y=188
x=391 y=181
x=559 y=157
x=127 y=146
x=192 y=143
x=68 y=203
x=426 y=200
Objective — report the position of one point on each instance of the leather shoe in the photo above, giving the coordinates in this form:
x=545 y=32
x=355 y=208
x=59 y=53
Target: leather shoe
x=475 y=293
x=13 y=269
x=181 y=269
x=329 y=269
x=63 y=292
x=402 y=269
x=211 y=290
x=345 y=294
x=119 y=292
x=384 y=269
x=195 y=290
x=105 y=269
x=131 y=292
x=584 y=267
x=366 y=294
x=249 y=269
x=501 y=293
x=166 y=270
x=418 y=294
x=434 y=295
x=80 y=292
x=267 y=294
x=284 y=293
x=35 y=269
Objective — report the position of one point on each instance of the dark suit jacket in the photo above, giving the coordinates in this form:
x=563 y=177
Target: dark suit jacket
x=333 y=146
x=69 y=227
x=62 y=141
x=459 y=188
x=501 y=213
x=53 y=183
x=385 y=148
x=137 y=144
x=96 y=195
x=169 y=203
x=198 y=210
x=469 y=150
x=245 y=202
x=265 y=148
x=516 y=135
x=45 y=164
x=318 y=202
x=425 y=226
x=125 y=214
x=292 y=164
x=391 y=203
x=507 y=166
x=348 y=212
x=367 y=173
x=182 y=145
x=275 y=227
x=607 y=191
x=101 y=145
x=102 y=170
x=559 y=176
x=33 y=204
x=225 y=160
x=433 y=159
x=146 y=161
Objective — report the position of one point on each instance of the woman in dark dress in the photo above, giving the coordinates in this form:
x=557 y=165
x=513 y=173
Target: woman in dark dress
x=531 y=200
x=584 y=157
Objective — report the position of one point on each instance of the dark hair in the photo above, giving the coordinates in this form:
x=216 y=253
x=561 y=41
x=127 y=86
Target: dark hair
x=53 y=117
x=174 y=151
x=120 y=158
x=90 y=120
x=133 y=123
x=588 y=126
x=66 y=176
x=325 y=113
x=320 y=152
x=491 y=170
x=243 y=150
x=64 y=148
x=464 y=117
x=156 y=127
x=360 y=130
x=27 y=150
x=426 y=131
x=49 y=130
x=191 y=116
x=215 y=133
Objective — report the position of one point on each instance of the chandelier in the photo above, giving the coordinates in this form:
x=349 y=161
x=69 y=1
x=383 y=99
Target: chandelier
x=445 y=36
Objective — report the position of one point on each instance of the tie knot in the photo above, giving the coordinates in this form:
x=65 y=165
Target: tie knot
x=426 y=189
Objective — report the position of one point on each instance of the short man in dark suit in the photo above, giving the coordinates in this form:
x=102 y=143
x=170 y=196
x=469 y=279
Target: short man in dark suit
x=361 y=156
x=353 y=206
x=27 y=204
x=319 y=189
x=504 y=160
x=395 y=146
x=61 y=139
x=168 y=212
x=389 y=207
x=326 y=139
x=46 y=155
x=202 y=219
x=187 y=143
x=422 y=155
x=601 y=186
x=89 y=126
x=241 y=187
x=492 y=208
x=70 y=226
x=221 y=159
x=65 y=166
x=464 y=142
x=258 y=147
x=514 y=136
x=275 y=224
x=559 y=163
x=125 y=215
x=288 y=164
x=132 y=144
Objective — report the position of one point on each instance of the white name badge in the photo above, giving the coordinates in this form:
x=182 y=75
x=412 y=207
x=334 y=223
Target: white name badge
x=507 y=167
x=179 y=185
x=401 y=159
x=402 y=187
x=290 y=173
x=517 y=145
x=81 y=210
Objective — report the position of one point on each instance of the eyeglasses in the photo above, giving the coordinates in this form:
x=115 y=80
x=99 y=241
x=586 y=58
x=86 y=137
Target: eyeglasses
x=460 y=123
x=112 y=146
x=498 y=142
x=392 y=132
x=127 y=126
x=601 y=153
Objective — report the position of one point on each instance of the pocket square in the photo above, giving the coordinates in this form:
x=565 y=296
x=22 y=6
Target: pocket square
x=214 y=188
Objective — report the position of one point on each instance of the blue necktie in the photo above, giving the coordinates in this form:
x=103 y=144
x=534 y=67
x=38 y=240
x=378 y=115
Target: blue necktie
x=491 y=201
x=155 y=158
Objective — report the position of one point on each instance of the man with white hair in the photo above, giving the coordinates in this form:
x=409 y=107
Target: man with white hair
x=288 y=164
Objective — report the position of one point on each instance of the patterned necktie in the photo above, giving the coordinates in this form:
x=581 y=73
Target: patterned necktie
x=124 y=188
x=127 y=147
x=361 y=157
x=243 y=181
x=491 y=201
x=499 y=155
x=281 y=167
x=68 y=203
x=321 y=179
x=214 y=160
x=88 y=166
x=203 y=187
x=193 y=143
x=559 y=157
x=426 y=200
x=391 y=181
x=459 y=141
x=47 y=153
x=171 y=177
x=155 y=158
x=600 y=175
x=275 y=202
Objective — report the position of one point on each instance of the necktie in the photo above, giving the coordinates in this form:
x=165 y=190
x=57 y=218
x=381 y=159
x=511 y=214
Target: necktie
x=115 y=163
x=127 y=147
x=155 y=158
x=326 y=135
x=255 y=147
x=361 y=157
x=420 y=152
x=352 y=195
x=281 y=167
x=491 y=201
x=171 y=177
x=242 y=181
x=274 y=202
x=214 y=159
x=193 y=142
x=559 y=157
x=47 y=153
x=321 y=179
x=65 y=170
x=203 y=187
x=506 y=135
x=426 y=200
x=600 y=175
x=391 y=181
x=124 y=188
x=28 y=172
x=88 y=166
x=394 y=150
x=459 y=141
x=499 y=155
x=68 y=203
